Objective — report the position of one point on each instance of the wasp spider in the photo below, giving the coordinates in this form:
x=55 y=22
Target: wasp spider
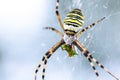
x=71 y=27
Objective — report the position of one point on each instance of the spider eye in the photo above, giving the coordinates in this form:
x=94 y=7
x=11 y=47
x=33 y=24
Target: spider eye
x=74 y=20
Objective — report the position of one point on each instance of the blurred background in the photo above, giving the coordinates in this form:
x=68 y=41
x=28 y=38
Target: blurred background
x=23 y=42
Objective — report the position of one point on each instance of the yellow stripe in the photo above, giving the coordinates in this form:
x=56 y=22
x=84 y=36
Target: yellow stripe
x=69 y=14
x=74 y=21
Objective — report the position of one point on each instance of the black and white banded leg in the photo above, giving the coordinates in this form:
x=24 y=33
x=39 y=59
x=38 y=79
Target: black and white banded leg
x=84 y=51
x=38 y=67
x=88 y=27
x=49 y=53
x=47 y=56
x=95 y=71
x=90 y=58
x=101 y=66
x=43 y=73
x=55 y=30
x=58 y=15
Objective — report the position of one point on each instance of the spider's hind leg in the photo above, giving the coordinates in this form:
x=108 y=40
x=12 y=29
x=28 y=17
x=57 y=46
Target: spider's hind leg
x=95 y=71
x=47 y=56
x=89 y=56
x=104 y=68
x=85 y=53
x=37 y=69
x=44 y=60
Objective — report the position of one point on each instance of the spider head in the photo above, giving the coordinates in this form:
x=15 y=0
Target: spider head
x=73 y=21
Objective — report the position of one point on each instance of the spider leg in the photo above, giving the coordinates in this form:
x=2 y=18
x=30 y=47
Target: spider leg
x=58 y=15
x=55 y=30
x=47 y=56
x=95 y=71
x=43 y=73
x=88 y=27
x=83 y=50
x=104 y=68
x=89 y=56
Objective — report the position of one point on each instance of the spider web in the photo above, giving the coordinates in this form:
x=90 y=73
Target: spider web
x=98 y=39
x=23 y=42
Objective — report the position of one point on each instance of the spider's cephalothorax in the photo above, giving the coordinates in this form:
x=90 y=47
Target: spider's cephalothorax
x=73 y=21
x=71 y=29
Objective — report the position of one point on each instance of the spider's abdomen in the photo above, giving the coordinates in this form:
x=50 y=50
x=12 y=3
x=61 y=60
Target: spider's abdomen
x=73 y=21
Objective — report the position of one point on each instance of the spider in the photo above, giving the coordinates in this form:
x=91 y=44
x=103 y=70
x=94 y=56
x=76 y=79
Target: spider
x=71 y=28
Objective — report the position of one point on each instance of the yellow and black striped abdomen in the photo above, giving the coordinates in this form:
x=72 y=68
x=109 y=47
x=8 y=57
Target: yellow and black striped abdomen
x=73 y=21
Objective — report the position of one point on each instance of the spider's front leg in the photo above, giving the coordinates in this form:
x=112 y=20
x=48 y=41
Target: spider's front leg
x=87 y=54
x=58 y=16
x=47 y=56
x=88 y=27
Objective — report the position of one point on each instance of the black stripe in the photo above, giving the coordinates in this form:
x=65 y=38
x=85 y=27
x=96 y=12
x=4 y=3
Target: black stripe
x=97 y=74
x=86 y=53
x=36 y=71
x=44 y=70
x=89 y=59
x=45 y=62
x=48 y=56
x=73 y=24
x=87 y=28
x=57 y=12
x=102 y=66
x=97 y=62
x=39 y=65
x=53 y=28
x=43 y=58
x=56 y=7
x=69 y=30
x=94 y=67
x=43 y=76
x=77 y=11
x=93 y=24
x=47 y=53
x=83 y=30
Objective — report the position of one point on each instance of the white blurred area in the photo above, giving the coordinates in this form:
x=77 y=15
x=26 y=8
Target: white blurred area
x=17 y=16
x=23 y=42
x=21 y=22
